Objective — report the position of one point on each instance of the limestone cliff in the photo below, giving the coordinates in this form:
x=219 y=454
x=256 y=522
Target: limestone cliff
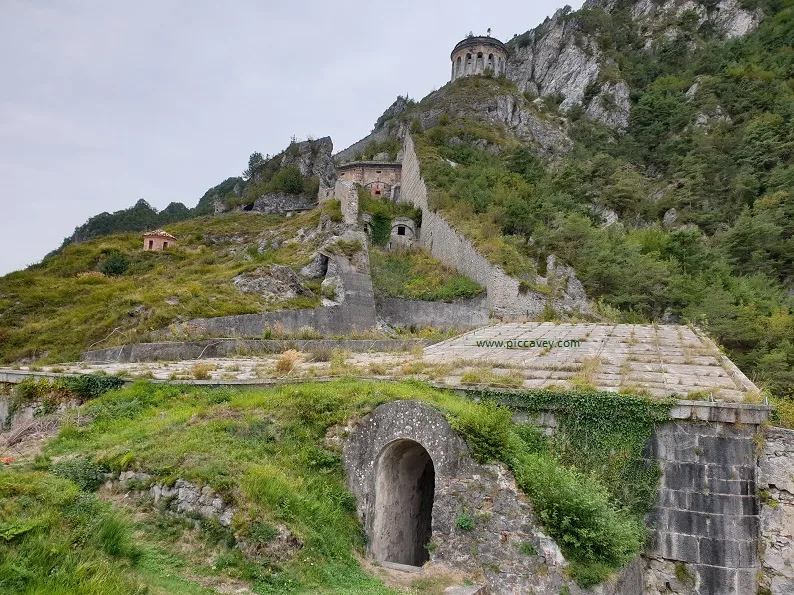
x=568 y=56
x=559 y=59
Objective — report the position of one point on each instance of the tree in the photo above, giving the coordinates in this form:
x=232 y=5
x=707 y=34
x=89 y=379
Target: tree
x=255 y=161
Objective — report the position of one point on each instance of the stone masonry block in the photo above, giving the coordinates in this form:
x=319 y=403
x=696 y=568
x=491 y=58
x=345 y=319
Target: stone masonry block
x=714 y=580
x=675 y=546
x=726 y=450
x=722 y=504
x=683 y=476
x=729 y=552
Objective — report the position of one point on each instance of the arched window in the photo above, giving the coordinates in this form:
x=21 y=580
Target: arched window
x=490 y=62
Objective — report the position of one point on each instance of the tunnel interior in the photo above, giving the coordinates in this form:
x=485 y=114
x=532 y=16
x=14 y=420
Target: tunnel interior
x=404 y=492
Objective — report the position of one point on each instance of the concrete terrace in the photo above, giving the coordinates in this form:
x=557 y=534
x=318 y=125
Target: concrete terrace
x=660 y=359
x=652 y=359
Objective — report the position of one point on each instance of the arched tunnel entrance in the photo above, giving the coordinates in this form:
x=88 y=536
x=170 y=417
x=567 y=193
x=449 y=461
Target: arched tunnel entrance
x=404 y=489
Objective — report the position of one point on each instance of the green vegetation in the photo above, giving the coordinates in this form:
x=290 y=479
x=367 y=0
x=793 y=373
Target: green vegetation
x=264 y=450
x=382 y=212
x=56 y=309
x=479 y=194
x=49 y=395
x=589 y=484
x=464 y=522
x=415 y=275
x=141 y=217
x=390 y=146
x=54 y=539
x=727 y=264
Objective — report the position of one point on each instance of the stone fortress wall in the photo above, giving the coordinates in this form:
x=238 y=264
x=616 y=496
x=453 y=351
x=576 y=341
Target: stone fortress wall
x=505 y=296
x=475 y=55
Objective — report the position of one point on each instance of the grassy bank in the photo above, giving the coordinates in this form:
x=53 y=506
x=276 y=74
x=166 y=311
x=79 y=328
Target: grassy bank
x=58 y=308
x=265 y=451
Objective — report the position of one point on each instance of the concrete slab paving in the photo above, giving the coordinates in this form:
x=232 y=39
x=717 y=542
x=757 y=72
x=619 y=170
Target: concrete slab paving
x=659 y=360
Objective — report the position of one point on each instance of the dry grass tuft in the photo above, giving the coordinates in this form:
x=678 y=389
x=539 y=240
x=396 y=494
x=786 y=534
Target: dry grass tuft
x=287 y=360
x=203 y=371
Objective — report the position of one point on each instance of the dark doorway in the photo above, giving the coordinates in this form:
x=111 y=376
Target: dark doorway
x=405 y=482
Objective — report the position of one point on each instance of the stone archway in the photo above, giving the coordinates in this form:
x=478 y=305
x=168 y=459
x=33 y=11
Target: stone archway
x=404 y=493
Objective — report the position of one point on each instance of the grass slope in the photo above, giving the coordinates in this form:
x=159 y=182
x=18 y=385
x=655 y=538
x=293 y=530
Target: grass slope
x=56 y=309
x=415 y=275
x=266 y=451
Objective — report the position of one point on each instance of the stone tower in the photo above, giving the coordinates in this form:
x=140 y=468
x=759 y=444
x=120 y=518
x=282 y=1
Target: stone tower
x=474 y=55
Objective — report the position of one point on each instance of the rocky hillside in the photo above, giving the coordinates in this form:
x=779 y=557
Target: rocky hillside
x=298 y=171
x=109 y=291
x=649 y=145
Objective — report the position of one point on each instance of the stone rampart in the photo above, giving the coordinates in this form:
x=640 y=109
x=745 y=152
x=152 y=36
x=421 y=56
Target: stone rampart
x=506 y=298
x=706 y=517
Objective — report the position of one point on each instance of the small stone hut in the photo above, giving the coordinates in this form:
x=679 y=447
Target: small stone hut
x=158 y=240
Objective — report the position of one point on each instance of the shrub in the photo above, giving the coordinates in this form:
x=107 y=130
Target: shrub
x=114 y=264
x=464 y=521
x=202 y=371
x=287 y=180
x=576 y=511
x=91 y=386
x=84 y=471
x=287 y=360
x=486 y=427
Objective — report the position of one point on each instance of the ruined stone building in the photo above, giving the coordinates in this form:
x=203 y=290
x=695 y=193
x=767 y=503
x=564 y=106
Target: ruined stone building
x=381 y=178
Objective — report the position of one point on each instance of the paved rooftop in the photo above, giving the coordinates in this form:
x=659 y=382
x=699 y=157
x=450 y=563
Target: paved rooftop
x=660 y=359
x=657 y=360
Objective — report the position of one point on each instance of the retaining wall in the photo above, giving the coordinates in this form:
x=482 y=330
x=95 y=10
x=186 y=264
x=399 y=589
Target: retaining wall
x=458 y=315
x=776 y=486
x=355 y=313
x=211 y=348
x=706 y=518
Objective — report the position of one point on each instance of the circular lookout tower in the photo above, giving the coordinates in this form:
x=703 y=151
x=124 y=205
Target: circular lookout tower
x=474 y=55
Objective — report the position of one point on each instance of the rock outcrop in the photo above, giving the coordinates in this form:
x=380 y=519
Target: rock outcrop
x=558 y=59
x=275 y=282
x=729 y=18
x=312 y=158
x=562 y=57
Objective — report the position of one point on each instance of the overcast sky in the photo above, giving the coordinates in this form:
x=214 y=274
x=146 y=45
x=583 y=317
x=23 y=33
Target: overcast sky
x=104 y=102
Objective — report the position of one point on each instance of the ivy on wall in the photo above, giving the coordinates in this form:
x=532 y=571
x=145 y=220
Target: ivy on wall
x=604 y=434
x=590 y=483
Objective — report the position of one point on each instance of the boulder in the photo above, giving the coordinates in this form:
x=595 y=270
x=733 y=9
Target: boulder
x=275 y=282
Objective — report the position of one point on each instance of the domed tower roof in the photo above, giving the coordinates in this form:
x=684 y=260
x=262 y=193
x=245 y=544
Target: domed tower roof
x=475 y=40
x=478 y=54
